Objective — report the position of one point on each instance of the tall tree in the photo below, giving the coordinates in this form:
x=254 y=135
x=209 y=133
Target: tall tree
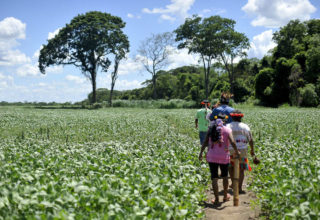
x=211 y=38
x=86 y=42
x=289 y=40
x=120 y=51
x=234 y=45
x=154 y=53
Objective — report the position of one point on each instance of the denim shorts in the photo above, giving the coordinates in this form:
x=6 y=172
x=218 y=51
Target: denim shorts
x=202 y=136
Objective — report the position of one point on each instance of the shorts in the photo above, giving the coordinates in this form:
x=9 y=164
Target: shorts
x=244 y=163
x=202 y=136
x=214 y=170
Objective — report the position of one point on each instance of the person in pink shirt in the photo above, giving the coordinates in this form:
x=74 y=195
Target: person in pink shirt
x=218 y=139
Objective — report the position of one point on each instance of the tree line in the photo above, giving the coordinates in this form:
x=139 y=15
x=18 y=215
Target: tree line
x=290 y=73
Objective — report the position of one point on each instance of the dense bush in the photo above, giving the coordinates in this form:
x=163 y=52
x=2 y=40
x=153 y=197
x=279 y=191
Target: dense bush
x=308 y=96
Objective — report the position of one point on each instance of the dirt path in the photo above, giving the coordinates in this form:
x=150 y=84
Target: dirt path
x=226 y=210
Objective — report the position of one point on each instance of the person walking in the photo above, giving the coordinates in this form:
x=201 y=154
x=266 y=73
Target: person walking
x=223 y=107
x=201 y=122
x=218 y=156
x=242 y=136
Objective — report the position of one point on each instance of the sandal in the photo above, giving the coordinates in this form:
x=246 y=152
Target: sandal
x=215 y=202
x=225 y=199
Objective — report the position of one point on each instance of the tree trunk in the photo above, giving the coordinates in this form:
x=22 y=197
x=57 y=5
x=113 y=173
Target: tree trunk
x=154 y=87
x=93 y=74
x=114 y=76
x=111 y=92
x=206 y=74
x=93 y=81
x=207 y=81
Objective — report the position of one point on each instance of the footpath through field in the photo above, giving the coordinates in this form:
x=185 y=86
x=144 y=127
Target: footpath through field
x=226 y=210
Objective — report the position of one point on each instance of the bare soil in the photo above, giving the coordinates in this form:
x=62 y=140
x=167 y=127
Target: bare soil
x=226 y=211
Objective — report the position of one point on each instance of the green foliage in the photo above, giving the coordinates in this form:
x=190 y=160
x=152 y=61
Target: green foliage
x=160 y=103
x=289 y=38
x=280 y=88
x=103 y=94
x=212 y=38
x=313 y=59
x=308 y=96
x=263 y=82
x=286 y=181
x=241 y=91
x=100 y=164
x=295 y=62
x=87 y=42
x=142 y=163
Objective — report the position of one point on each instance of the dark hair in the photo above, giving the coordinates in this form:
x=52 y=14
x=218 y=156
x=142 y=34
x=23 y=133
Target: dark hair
x=215 y=134
x=225 y=98
x=215 y=129
x=236 y=118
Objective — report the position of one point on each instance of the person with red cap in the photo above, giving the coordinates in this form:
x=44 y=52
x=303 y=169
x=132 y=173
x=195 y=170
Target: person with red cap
x=201 y=120
x=242 y=136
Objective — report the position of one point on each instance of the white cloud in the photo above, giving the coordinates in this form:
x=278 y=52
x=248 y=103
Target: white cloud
x=45 y=92
x=5 y=81
x=182 y=58
x=76 y=79
x=276 y=13
x=129 y=15
x=167 y=17
x=206 y=11
x=11 y=29
x=42 y=84
x=216 y=11
x=54 y=69
x=126 y=85
x=53 y=34
x=261 y=44
x=129 y=66
x=177 y=8
x=28 y=70
x=13 y=57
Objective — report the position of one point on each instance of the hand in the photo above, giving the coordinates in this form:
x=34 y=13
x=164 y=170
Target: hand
x=200 y=156
x=252 y=152
x=237 y=154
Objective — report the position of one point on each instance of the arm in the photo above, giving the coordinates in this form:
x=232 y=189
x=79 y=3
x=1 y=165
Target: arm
x=233 y=143
x=251 y=145
x=196 y=122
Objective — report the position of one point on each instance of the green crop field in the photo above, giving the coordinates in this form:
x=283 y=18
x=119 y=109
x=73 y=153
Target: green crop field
x=143 y=163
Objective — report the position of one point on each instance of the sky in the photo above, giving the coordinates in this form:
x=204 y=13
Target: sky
x=26 y=25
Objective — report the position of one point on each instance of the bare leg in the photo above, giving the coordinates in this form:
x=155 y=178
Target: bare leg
x=225 y=188
x=231 y=175
x=215 y=189
x=241 y=178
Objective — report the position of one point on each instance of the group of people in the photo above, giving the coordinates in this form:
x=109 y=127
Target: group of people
x=227 y=138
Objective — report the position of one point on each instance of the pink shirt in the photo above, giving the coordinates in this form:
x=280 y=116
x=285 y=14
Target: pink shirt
x=219 y=152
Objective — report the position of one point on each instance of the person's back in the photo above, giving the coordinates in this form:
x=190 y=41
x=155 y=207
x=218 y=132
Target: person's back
x=218 y=152
x=223 y=109
x=201 y=120
x=241 y=134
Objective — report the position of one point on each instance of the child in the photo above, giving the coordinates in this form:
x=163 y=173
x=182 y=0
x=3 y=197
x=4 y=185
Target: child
x=218 y=139
x=242 y=136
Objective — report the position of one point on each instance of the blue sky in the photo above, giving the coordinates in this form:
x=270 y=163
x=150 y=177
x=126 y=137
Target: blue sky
x=27 y=24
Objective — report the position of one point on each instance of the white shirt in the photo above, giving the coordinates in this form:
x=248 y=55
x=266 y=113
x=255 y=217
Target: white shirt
x=241 y=134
